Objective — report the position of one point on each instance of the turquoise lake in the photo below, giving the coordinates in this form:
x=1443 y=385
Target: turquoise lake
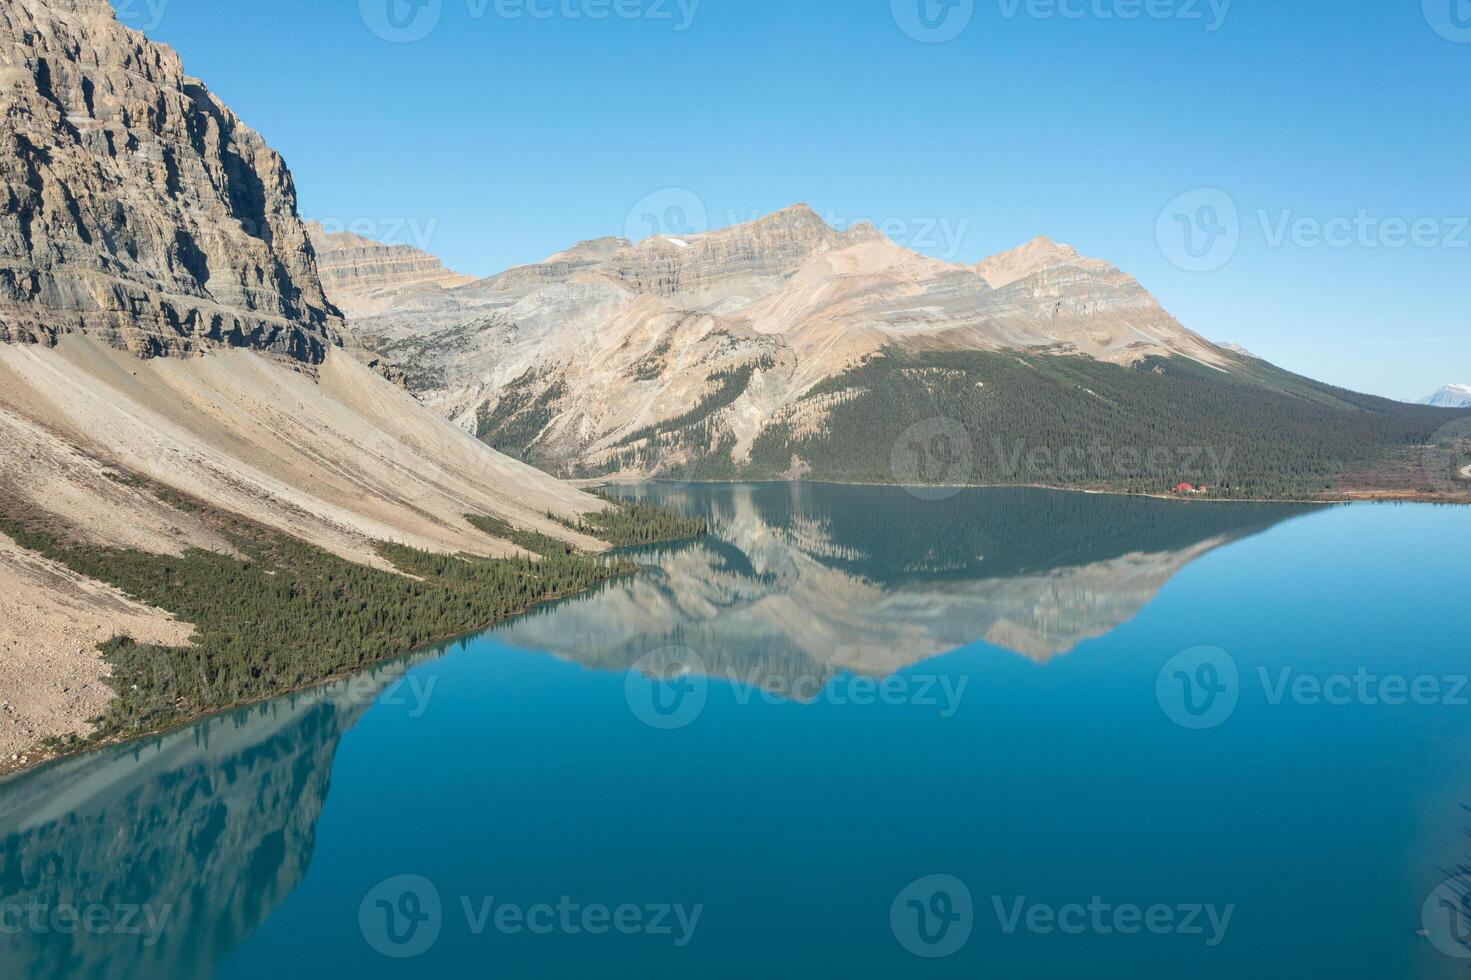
x=853 y=733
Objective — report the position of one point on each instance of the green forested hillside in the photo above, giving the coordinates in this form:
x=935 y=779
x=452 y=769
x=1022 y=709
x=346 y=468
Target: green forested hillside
x=1050 y=419
x=624 y=524
x=631 y=523
x=286 y=613
x=1022 y=419
x=1074 y=421
x=519 y=419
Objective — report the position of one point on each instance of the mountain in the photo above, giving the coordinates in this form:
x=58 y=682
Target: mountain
x=785 y=347
x=139 y=208
x=171 y=371
x=1088 y=305
x=566 y=359
x=1451 y=396
x=362 y=276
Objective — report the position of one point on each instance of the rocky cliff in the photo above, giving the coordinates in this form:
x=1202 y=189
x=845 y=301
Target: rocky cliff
x=1085 y=303
x=140 y=219
x=138 y=207
x=362 y=276
x=142 y=216
x=748 y=257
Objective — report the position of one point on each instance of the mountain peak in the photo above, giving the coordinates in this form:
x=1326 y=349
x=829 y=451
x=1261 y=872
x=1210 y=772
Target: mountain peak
x=1451 y=396
x=772 y=246
x=793 y=216
x=360 y=274
x=1037 y=255
x=589 y=252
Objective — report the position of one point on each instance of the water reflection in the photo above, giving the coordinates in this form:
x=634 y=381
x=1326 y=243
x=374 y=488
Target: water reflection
x=157 y=858
x=189 y=842
x=797 y=581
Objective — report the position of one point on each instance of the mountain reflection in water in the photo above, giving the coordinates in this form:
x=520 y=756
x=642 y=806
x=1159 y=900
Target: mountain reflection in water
x=188 y=841
x=215 y=825
x=793 y=583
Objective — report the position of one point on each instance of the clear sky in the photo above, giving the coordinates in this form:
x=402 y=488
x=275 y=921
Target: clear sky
x=1322 y=147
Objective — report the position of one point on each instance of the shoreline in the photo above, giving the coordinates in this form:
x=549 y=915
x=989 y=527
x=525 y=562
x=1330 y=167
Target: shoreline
x=95 y=731
x=1333 y=498
x=38 y=758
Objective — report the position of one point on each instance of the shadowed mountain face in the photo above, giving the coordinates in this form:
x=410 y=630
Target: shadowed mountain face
x=806 y=580
x=188 y=841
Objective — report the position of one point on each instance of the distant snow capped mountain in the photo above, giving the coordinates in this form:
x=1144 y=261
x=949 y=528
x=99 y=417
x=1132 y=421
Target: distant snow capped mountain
x=1451 y=396
x=1238 y=349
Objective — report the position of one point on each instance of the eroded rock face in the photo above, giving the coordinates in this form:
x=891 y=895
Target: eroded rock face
x=362 y=276
x=1085 y=303
x=754 y=255
x=137 y=206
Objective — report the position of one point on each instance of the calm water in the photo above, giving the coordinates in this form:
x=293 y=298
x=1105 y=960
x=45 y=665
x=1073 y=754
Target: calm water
x=853 y=734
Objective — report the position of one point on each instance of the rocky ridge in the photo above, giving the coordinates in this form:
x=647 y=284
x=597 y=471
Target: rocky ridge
x=567 y=361
x=138 y=207
x=362 y=275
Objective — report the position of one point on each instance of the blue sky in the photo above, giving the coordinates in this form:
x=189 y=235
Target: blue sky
x=1327 y=142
